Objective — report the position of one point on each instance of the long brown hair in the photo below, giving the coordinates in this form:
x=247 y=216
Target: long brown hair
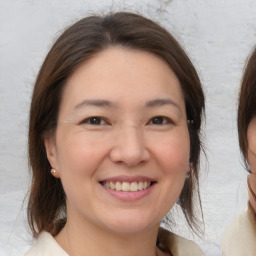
x=80 y=42
x=247 y=103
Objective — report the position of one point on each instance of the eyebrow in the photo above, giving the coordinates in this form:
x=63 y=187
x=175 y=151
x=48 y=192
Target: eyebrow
x=95 y=102
x=161 y=102
x=108 y=104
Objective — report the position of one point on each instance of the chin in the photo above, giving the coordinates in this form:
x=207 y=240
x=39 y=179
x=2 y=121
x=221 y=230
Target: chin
x=132 y=224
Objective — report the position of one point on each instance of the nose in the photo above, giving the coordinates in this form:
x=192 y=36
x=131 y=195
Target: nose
x=129 y=147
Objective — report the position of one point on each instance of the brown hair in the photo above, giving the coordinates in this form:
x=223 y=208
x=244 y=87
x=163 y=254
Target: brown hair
x=247 y=103
x=46 y=206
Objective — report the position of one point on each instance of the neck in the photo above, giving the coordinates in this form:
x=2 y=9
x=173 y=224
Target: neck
x=87 y=239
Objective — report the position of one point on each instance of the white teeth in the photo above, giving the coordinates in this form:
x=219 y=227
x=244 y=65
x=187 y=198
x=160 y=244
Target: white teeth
x=118 y=186
x=134 y=186
x=126 y=186
x=112 y=185
x=140 y=186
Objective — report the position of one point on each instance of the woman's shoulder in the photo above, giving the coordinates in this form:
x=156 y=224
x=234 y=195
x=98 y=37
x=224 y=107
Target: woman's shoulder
x=179 y=246
x=46 y=245
x=240 y=236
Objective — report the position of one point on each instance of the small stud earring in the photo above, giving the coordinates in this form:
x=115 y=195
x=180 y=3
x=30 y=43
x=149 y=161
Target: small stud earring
x=53 y=171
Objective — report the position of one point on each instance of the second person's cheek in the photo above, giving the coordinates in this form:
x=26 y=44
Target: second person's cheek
x=252 y=190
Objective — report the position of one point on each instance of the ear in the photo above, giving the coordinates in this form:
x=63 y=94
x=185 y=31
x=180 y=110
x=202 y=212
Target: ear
x=51 y=152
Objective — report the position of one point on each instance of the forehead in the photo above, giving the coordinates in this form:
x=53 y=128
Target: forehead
x=119 y=73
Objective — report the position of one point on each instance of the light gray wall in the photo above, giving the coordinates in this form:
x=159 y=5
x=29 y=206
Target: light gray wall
x=218 y=35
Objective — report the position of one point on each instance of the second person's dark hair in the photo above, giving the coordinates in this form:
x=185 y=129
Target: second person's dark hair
x=247 y=103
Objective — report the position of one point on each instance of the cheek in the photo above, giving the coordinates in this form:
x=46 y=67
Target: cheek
x=173 y=153
x=79 y=155
x=252 y=160
x=173 y=159
x=252 y=143
x=78 y=160
x=251 y=135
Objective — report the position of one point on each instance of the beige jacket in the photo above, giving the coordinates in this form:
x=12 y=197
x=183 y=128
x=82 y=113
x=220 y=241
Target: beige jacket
x=240 y=237
x=47 y=246
x=178 y=245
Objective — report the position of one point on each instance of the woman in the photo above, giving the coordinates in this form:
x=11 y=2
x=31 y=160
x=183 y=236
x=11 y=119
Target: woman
x=240 y=236
x=114 y=140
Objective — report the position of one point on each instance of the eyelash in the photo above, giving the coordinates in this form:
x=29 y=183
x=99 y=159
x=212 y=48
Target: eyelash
x=97 y=121
x=161 y=120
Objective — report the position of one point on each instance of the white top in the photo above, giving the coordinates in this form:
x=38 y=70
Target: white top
x=46 y=245
x=240 y=237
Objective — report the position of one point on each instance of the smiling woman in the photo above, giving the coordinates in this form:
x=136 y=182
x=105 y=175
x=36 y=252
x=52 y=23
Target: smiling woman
x=114 y=140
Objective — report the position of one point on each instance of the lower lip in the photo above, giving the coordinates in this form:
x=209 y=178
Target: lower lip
x=129 y=196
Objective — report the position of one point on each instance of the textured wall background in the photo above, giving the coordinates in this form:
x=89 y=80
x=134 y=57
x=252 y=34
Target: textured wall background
x=218 y=36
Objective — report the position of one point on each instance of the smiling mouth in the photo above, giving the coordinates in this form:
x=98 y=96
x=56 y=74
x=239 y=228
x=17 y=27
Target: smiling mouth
x=127 y=186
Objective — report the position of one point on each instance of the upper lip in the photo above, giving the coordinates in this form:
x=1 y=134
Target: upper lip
x=124 y=178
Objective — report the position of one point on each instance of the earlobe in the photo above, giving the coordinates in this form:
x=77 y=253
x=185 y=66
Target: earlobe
x=189 y=168
x=51 y=153
x=188 y=173
x=55 y=173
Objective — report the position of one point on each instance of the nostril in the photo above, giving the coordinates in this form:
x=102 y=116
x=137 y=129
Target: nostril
x=129 y=156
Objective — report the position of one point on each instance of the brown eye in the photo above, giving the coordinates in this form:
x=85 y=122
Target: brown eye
x=160 y=120
x=95 y=120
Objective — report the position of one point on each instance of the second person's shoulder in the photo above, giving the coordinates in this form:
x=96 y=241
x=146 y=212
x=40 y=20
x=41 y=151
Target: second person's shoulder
x=240 y=236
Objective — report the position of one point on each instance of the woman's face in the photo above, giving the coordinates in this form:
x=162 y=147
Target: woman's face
x=251 y=136
x=121 y=147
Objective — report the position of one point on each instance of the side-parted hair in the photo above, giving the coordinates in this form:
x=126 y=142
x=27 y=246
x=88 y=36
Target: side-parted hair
x=247 y=103
x=79 y=43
